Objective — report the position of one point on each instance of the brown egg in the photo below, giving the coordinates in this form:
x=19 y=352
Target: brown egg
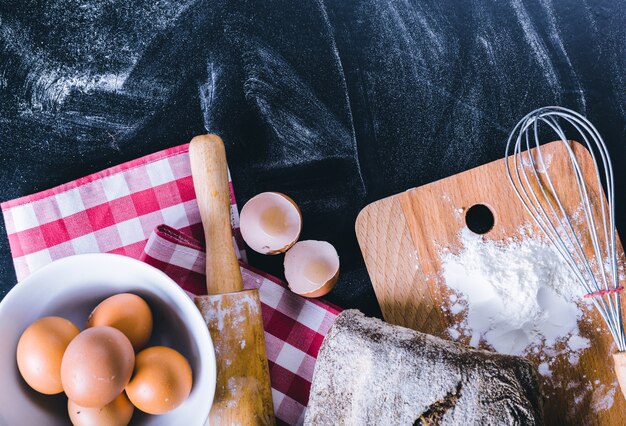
x=162 y=380
x=127 y=312
x=116 y=413
x=40 y=351
x=96 y=366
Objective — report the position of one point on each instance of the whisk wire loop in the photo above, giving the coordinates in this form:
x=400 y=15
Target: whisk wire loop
x=589 y=246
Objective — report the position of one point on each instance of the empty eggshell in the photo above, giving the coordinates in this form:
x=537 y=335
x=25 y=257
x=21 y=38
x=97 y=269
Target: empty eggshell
x=116 y=413
x=127 y=312
x=40 y=352
x=96 y=366
x=270 y=223
x=311 y=268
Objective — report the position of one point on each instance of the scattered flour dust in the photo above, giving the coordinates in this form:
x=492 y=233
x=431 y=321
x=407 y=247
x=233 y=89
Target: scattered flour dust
x=518 y=296
x=603 y=396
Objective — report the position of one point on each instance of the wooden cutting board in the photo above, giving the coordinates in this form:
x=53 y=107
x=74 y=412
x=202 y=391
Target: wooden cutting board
x=402 y=236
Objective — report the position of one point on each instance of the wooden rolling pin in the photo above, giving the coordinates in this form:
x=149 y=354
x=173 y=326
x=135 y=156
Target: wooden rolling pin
x=243 y=394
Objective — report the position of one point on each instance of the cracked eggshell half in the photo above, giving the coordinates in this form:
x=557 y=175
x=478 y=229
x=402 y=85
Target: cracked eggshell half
x=311 y=268
x=270 y=223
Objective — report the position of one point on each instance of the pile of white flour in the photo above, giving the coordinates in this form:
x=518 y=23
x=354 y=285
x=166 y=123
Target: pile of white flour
x=518 y=295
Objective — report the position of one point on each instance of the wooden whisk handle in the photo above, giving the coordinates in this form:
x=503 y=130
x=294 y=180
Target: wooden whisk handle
x=620 y=370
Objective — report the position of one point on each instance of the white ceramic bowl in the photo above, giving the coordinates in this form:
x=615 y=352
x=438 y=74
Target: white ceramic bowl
x=71 y=288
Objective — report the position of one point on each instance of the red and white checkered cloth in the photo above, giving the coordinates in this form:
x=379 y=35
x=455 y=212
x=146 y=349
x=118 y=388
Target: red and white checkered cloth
x=147 y=209
x=294 y=326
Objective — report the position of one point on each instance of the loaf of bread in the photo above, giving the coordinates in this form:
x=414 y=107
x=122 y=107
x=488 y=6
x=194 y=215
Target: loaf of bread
x=369 y=372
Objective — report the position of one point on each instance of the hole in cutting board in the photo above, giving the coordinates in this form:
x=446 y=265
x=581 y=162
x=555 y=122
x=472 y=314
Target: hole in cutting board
x=479 y=219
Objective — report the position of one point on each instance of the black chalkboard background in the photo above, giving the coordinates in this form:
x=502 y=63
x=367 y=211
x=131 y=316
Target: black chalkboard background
x=336 y=103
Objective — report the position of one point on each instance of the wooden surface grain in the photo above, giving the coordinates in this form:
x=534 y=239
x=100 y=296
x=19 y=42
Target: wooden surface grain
x=402 y=236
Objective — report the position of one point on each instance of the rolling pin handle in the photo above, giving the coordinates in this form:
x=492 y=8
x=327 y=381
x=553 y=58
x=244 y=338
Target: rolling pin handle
x=210 y=180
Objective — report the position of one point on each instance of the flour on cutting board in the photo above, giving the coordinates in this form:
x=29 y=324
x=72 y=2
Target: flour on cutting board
x=518 y=295
x=602 y=397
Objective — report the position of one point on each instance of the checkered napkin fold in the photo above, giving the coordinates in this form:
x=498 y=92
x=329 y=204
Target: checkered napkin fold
x=147 y=209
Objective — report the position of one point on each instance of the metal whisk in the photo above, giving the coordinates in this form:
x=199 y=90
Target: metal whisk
x=530 y=177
